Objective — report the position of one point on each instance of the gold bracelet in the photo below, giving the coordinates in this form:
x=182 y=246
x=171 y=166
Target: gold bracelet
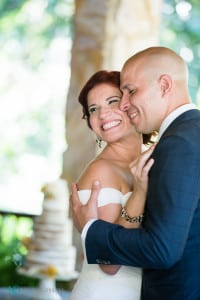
x=138 y=219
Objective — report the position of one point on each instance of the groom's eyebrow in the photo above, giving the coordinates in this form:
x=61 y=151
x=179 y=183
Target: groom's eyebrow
x=127 y=86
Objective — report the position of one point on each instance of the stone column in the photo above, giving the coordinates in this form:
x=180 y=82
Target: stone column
x=87 y=58
x=131 y=25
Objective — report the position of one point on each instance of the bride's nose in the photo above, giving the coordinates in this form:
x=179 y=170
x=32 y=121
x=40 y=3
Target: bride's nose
x=104 y=112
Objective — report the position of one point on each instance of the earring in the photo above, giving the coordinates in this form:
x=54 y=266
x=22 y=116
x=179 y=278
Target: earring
x=99 y=141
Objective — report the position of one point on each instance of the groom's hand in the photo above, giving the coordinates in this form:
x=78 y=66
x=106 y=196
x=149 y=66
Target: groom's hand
x=83 y=213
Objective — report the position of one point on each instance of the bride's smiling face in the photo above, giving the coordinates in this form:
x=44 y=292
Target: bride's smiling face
x=105 y=117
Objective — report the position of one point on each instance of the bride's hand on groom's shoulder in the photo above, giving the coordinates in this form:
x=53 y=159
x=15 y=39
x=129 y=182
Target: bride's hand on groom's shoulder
x=81 y=214
x=140 y=168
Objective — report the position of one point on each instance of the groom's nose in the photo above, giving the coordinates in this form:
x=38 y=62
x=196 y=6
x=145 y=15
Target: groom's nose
x=124 y=103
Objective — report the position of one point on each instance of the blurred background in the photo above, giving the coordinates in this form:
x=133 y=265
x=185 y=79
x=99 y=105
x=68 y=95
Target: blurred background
x=49 y=48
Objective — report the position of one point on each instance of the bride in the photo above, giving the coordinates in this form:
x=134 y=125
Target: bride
x=100 y=99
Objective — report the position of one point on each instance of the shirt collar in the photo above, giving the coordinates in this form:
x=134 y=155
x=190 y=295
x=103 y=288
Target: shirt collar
x=173 y=115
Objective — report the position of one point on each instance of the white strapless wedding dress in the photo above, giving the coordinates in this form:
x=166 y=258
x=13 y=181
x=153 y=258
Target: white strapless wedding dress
x=93 y=283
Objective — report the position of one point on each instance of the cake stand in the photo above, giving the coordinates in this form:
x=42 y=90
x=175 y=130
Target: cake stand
x=47 y=285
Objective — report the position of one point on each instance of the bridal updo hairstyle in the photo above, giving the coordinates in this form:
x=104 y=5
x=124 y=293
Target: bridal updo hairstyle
x=109 y=77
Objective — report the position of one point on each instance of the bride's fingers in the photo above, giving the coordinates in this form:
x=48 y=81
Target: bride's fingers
x=133 y=163
x=95 y=189
x=141 y=161
x=148 y=166
x=74 y=194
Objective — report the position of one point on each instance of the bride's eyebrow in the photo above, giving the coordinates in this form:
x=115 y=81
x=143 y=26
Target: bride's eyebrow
x=111 y=97
x=91 y=105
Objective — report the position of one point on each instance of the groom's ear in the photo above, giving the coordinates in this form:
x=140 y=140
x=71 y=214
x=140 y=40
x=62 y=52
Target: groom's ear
x=165 y=82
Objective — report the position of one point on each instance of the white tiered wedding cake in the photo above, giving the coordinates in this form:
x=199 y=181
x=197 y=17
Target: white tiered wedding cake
x=50 y=249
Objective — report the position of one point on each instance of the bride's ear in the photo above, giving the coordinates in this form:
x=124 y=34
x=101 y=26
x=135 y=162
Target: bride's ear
x=165 y=82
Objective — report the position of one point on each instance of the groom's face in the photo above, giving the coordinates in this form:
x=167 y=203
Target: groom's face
x=141 y=97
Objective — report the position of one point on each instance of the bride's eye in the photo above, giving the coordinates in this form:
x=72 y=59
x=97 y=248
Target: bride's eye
x=92 y=109
x=114 y=100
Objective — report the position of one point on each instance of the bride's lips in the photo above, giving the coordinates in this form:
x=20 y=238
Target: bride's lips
x=110 y=124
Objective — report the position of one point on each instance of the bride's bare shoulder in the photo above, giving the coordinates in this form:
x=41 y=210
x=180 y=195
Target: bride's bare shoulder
x=99 y=169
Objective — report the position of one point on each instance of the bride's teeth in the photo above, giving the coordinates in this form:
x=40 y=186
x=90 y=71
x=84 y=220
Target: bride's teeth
x=111 y=124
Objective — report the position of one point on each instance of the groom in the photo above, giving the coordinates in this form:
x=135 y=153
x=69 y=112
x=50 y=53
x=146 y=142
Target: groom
x=167 y=247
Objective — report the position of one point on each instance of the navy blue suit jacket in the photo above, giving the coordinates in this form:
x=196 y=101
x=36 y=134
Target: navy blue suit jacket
x=168 y=245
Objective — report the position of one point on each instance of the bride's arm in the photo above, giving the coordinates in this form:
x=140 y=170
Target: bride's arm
x=133 y=213
x=108 y=212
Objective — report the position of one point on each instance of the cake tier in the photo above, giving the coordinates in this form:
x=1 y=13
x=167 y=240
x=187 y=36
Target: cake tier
x=63 y=262
x=51 y=217
x=46 y=237
x=50 y=250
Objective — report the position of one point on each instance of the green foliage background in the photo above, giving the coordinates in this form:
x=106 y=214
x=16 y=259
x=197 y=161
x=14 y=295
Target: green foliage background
x=28 y=30
x=184 y=33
